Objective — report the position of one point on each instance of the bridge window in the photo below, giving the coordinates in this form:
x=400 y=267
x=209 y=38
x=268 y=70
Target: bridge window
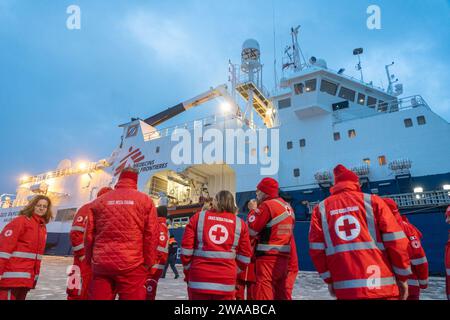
x=408 y=123
x=337 y=136
x=302 y=143
x=367 y=161
x=285 y=103
x=310 y=85
x=382 y=106
x=289 y=145
x=382 y=160
x=298 y=88
x=328 y=87
x=296 y=173
x=371 y=102
x=421 y=120
x=361 y=99
x=347 y=94
x=157 y=149
x=351 y=133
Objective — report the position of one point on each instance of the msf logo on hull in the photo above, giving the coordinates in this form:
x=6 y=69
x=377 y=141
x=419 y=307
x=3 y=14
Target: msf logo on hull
x=134 y=156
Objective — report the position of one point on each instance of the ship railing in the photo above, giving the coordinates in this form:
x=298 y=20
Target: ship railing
x=412 y=200
x=87 y=168
x=380 y=108
x=203 y=122
x=428 y=198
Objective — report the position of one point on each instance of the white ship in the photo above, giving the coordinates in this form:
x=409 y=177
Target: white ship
x=314 y=119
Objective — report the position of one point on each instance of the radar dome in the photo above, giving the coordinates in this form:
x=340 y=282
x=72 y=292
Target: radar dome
x=250 y=44
x=65 y=164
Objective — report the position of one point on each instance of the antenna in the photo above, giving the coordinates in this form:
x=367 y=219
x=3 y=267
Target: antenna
x=392 y=80
x=358 y=52
x=295 y=58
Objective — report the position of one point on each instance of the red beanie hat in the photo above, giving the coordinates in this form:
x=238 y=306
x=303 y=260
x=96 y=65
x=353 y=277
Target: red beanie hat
x=128 y=174
x=103 y=190
x=269 y=186
x=341 y=173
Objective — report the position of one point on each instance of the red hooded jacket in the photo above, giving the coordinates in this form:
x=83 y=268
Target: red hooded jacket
x=22 y=244
x=447 y=258
x=122 y=231
x=419 y=264
x=356 y=244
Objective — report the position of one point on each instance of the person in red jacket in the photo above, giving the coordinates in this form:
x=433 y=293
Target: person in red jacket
x=245 y=285
x=162 y=254
x=292 y=270
x=121 y=239
x=356 y=244
x=447 y=256
x=419 y=264
x=215 y=244
x=80 y=273
x=22 y=244
x=271 y=222
x=293 y=258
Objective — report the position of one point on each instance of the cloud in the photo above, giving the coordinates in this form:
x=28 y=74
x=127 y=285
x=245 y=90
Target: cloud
x=163 y=36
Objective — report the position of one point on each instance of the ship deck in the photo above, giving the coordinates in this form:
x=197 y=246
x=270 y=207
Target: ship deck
x=52 y=284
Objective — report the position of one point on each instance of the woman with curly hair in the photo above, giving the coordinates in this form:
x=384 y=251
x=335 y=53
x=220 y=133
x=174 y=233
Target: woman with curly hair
x=22 y=244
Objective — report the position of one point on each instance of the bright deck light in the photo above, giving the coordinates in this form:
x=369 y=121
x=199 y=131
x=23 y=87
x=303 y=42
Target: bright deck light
x=82 y=165
x=418 y=190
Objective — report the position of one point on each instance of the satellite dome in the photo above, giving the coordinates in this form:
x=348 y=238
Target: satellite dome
x=250 y=44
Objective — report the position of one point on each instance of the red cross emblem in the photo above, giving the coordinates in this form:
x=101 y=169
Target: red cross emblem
x=218 y=234
x=347 y=227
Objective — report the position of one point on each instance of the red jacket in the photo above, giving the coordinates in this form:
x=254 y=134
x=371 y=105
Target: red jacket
x=357 y=245
x=122 y=231
x=162 y=249
x=272 y=223
x=419 y=264
x=214 y=249
x=22 y=244
x=293 y=258
x=447 y=267
x=78 y=230
x=447 y=258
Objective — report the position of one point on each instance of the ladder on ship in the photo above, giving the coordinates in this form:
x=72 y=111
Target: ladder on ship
x=261 y=104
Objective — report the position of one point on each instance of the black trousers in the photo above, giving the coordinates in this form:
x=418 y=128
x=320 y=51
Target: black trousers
x=171 y=261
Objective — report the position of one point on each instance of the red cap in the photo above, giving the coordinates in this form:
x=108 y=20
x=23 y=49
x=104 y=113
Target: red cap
x=129 y=175
x=103 y=190
x=341 y=174
x=269 y=186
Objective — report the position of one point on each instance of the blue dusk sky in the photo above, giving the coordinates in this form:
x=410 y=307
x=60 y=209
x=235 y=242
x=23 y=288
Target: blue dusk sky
x=64 y=92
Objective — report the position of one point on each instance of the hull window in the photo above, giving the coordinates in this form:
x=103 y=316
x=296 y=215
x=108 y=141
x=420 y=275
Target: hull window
x=408 y=123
